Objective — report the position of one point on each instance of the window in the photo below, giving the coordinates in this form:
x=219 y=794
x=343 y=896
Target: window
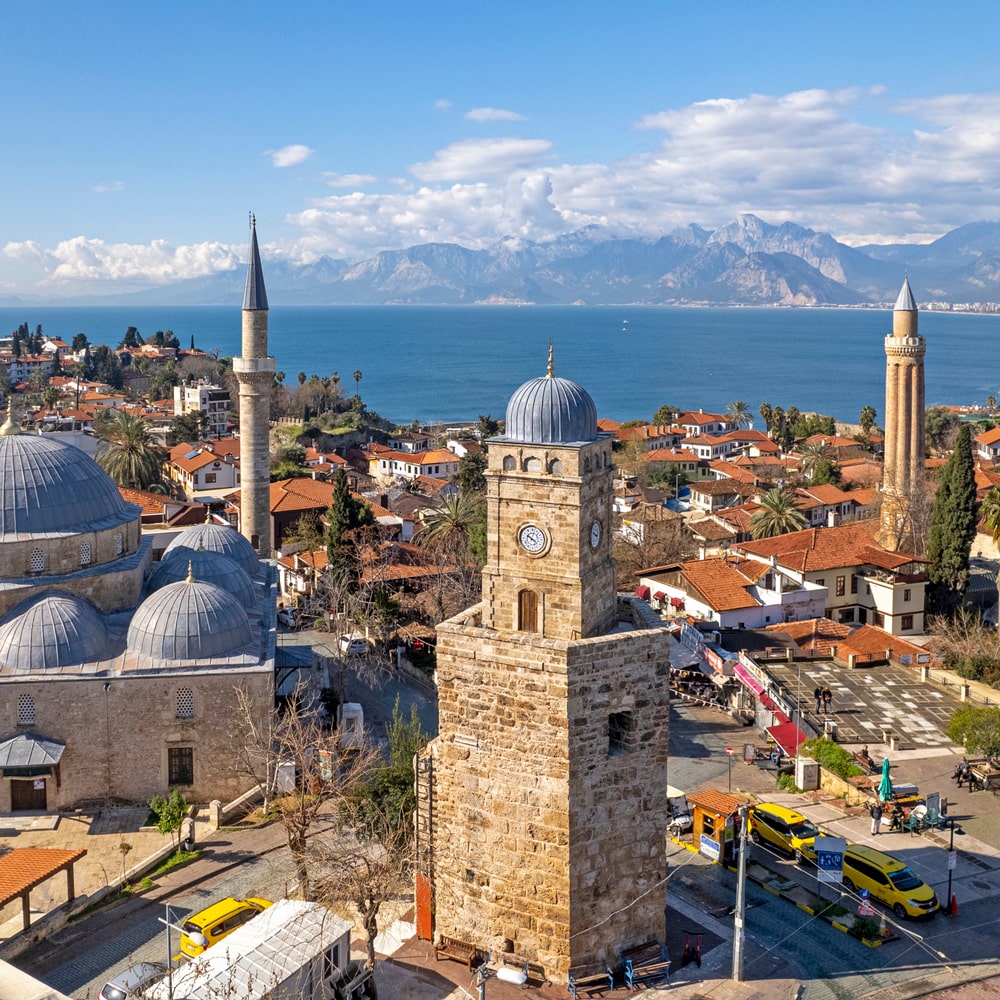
x=906 y=622
x=118 y=545
x=37 y=563
x=331 y=962
x=621 y=729
x=848 y=615
x=878 y=619
x=841 y=585
x=533 y=465
x=210 y=477
x=180 y=766
x=185 y=703
x=527 y=611
x=556 y=467
x=821 y=583
x=86 y=553
x=25 y=710
x=906 y=596
x=854 y=584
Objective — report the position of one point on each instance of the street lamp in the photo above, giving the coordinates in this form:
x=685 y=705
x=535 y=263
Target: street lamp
x=195 y=937
x=952 y=861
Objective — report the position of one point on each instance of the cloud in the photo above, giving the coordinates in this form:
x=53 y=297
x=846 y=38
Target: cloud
x=493 y=115
x=348 y=180
x=442 y=105
x=476 y=158
x=109 y=188
x=289 y=156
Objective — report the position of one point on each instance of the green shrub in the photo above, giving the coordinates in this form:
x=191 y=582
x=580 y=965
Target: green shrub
x=832 y=756
x=786 y=783
x=866 y=928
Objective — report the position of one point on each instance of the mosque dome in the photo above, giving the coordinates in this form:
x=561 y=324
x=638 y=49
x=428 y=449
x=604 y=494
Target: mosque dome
x=222 y=539
x=551 y=410
x=60 y=630
x=189 y=620
x=207 y=567
x=48 y=487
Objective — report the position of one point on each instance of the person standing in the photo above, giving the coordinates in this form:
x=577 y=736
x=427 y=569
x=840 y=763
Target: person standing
x=827 y=699
x=818 y=695
x=876 y=814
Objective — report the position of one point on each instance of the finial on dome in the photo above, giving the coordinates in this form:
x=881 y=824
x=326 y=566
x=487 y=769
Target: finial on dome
x=190 y=576
x=9 y=427
x=548 y=373
x=208 y=514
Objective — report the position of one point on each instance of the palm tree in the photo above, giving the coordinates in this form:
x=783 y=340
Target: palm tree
x=779 y=515
x=991 y=402
x=989 y=513
x=766 y=411
x=126 y=452
x=446 y=528
x=867 y=419
x=357 y=376
x=739 y=414
x=813 y=452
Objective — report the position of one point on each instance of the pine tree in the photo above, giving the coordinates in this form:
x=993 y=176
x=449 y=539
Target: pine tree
x=953 y=528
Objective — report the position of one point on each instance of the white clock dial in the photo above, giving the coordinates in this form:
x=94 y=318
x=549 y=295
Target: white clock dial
x=532 y=538
x=595 y=534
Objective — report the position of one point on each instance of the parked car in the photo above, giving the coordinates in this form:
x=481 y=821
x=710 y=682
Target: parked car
x=131 y=984
x=288 y=616
x=354 y=645
x=218 y=920
x=889 y=880
x=783 y=828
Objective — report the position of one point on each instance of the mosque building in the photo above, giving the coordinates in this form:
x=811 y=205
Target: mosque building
x=118 y=682
x=542 y=801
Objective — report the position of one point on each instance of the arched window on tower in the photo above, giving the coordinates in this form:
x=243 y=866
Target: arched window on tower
x=509 y=463
x=556 y=467
x=527 y=611
x=533 y=465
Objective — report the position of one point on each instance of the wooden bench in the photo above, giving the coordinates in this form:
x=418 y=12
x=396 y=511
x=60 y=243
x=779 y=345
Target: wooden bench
x=646 y=963
x=594 y=978
x=460 y=951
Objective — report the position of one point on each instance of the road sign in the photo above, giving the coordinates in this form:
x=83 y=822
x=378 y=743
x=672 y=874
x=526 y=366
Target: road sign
x=729 y=750
x=865 y=909
x=952 y=860
x=830 y=858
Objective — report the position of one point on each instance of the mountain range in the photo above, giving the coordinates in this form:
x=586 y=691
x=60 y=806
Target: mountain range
x=747 y=262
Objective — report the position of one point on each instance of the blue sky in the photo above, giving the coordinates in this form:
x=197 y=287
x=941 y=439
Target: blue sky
x=138 y=136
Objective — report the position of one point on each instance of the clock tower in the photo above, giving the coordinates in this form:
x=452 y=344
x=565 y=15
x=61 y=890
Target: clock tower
x=541 y=821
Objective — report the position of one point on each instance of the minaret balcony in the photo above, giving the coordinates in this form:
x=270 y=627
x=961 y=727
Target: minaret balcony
x=253 y=366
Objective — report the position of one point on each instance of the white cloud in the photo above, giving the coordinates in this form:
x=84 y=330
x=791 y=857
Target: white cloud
x=289 y=156
x=348 y=180
x=442 y=105
x=109 y=188
x=475 y=158
x=493 y=115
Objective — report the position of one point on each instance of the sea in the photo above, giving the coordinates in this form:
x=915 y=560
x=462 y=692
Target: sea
x=452 y=363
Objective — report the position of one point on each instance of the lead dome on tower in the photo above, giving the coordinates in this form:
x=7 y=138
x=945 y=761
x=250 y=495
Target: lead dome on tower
x=551 y=410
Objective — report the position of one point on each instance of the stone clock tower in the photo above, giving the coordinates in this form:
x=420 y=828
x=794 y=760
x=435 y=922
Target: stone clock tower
x=542 y=808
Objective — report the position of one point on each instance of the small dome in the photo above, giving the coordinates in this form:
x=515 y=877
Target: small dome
x=207 y=567
x=222 y=539
x=551 y=410
x=50 y=487
x=189 y=620
x=60 y=630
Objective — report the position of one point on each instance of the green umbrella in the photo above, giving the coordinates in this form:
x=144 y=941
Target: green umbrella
x=885 y=785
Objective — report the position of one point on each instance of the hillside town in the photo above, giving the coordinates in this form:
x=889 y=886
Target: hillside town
x=211 y=551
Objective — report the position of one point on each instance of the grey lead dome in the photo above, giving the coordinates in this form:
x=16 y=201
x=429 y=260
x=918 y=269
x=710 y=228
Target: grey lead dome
x=48 y=487
x=60 y=630
x=219 y=538
x=551 y=410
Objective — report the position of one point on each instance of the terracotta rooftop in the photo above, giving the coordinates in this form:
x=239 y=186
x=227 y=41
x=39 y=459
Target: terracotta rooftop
x=717 y=802
x=869 y=639
x=22 y=868
x=814 y=633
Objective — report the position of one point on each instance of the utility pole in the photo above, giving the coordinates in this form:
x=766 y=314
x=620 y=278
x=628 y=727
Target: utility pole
x=741 y=889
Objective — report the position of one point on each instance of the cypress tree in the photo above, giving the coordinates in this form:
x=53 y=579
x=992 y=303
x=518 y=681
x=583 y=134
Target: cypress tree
x=953 y=528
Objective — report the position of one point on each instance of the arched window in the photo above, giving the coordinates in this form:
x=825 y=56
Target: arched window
x=118 y=545
x=37 y=563
x=533 y=465
x=185 y=703
x=509 y=463
x=556 y=467
x=86 y=553
x=25 y=710
x=527 y=611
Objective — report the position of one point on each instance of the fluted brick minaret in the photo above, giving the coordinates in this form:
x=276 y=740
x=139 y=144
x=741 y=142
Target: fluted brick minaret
x=254 y=370
x=904 y=423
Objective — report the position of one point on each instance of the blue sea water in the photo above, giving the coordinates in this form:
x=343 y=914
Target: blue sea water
x=453 y=363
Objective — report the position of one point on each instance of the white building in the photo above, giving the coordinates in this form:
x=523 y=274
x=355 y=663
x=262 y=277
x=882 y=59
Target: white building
x=213 y=400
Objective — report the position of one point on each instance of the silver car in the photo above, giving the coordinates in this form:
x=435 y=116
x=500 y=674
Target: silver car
x=131 y=984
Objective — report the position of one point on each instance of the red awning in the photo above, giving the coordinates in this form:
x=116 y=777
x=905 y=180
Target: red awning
x=677 y=602
x=659 y=596
x=749 y=680
x=642 y=592
x=788 y=736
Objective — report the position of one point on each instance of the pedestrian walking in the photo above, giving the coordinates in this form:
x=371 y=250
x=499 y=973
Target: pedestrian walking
x=876 y=814
x=827 y=699
x=818 y=695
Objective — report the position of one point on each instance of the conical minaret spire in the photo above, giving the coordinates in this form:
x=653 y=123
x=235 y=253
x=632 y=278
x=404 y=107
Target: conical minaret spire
x=254 y=371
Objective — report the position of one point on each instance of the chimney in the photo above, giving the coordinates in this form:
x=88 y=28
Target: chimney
x=832 y=519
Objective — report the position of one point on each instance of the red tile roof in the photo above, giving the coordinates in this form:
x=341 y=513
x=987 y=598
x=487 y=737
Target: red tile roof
x=23 y=868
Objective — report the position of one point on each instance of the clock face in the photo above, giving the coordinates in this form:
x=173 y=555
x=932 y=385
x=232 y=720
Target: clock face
x=532 y=538
x=595 y=534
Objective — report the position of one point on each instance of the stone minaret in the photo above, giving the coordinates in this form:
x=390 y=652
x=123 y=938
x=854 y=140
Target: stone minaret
x=254 y=370
x=904 y=423
x=543 y=798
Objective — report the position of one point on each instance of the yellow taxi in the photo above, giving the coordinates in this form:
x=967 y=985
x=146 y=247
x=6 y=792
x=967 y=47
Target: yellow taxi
x=216 y=921
x=786 y=829
x=889 y=880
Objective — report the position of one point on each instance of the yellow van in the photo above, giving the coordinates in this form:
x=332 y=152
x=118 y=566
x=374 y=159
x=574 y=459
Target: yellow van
x=218 y=920
x=888 y=880
x=783 y=828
